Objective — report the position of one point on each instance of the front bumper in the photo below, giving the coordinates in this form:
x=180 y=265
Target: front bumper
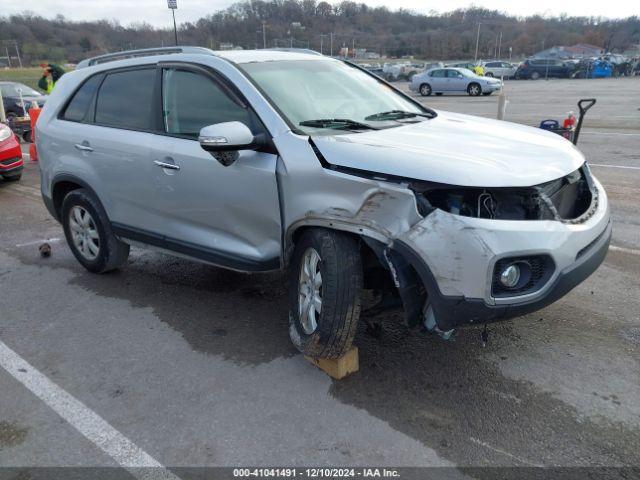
x=10 y=156
x=492 y=87
x=455 y=256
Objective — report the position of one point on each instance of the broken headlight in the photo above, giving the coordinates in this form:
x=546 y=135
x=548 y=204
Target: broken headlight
x=568 y=198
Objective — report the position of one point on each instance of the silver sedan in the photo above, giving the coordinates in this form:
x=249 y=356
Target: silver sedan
x=450 y=80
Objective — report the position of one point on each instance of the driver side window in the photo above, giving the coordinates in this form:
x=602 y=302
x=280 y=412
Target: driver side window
x=191 y=101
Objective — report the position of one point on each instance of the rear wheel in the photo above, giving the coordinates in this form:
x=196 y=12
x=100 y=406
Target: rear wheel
x=324 y=291
x=425 y=89
x=89 y=234
x=474 y=89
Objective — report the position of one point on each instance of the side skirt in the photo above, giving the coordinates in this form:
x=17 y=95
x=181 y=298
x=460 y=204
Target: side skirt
x=197 y=252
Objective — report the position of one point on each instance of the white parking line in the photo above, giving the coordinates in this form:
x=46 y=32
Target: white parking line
x=613 y=166
x=498 y=450
x=128 y=455
x=610 y=133
x=36 y=242
x=624 y=250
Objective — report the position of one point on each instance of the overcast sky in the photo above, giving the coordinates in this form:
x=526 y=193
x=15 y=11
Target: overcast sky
x=156 y=13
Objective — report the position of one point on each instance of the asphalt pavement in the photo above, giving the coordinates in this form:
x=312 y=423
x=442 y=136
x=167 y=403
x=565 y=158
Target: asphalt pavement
x=169 y=363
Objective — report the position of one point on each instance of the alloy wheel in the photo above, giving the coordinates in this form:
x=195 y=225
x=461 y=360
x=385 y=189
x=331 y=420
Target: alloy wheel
x=84 y=233
x=310 y=291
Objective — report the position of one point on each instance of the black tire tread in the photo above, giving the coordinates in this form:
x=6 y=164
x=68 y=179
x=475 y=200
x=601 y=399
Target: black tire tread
x=113 y=252
x=341 y=292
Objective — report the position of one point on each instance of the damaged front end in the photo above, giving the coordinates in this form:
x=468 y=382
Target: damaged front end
x=572 y=198
x=556 y=233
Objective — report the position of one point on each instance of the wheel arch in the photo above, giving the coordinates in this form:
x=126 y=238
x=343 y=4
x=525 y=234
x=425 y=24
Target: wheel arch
x=61 y=185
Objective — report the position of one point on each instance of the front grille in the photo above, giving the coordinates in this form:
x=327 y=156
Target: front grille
x=10 y=161
x=537 y=268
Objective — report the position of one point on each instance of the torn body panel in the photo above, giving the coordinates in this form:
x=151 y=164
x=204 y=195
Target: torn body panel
x=458 y=252
x=460 y=255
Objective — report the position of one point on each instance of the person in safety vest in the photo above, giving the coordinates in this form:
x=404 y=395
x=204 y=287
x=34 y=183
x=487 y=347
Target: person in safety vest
x=51 y=73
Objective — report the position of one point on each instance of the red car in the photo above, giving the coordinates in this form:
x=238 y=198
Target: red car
x=10 y=154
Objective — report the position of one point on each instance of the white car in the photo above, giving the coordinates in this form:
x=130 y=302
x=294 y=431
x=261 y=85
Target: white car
x=499 y=69
x=265 y=160
x=453 y=80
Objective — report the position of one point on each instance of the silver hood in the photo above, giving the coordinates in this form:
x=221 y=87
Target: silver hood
x=458 y=150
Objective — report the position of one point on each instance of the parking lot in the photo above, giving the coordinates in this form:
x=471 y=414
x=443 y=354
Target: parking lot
x=188 y=365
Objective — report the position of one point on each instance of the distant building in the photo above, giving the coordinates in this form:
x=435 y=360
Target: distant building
x=575 y=51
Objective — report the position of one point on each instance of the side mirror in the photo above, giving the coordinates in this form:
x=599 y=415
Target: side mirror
x=227 y=137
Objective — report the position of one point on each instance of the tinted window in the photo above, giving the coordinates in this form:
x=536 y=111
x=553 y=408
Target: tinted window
x=79 y=105
x=493 y=64
x=125 y=98
x=437 y=73
x=191 y=101
x=454 y=74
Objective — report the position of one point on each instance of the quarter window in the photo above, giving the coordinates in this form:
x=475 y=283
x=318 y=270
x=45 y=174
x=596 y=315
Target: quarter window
x=77 y=109
x=191 y=101
x=125 y=100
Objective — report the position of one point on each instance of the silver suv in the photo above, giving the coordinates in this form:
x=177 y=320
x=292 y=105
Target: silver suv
x=270 y=160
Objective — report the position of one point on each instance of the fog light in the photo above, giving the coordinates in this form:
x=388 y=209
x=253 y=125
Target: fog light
x=510 y=276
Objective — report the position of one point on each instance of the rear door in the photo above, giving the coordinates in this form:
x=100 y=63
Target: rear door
x=227 y=215
x=438 y=80
x=106 y=133
x=456 y=82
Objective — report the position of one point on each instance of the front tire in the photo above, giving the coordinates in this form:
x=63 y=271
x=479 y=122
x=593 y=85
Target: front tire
x=89 y=233
x=535 y=76
x=474 y=89
x=324 y=291
x=425 y=89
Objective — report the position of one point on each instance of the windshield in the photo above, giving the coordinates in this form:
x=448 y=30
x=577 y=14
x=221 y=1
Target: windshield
x=306 y=91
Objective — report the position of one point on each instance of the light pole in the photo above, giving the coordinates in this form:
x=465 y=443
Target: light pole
x=264 y=34
x=322 y=35
x=173 y=6
x=475 y=57
x=500 y=46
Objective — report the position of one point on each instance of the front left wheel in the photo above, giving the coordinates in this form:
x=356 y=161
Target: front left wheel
x=474 y=89
x=89 y=233
x=325 y=288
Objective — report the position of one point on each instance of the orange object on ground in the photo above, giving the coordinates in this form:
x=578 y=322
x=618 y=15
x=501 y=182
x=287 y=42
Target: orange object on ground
x=34 y=113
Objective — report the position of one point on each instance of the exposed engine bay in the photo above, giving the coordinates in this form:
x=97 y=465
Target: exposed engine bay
x=567 y=199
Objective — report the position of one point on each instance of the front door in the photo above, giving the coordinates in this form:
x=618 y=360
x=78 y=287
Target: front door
x=227 y=215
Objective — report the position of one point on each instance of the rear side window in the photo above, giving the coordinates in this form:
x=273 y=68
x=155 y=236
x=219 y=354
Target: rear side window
x=125 y=100
x=79 y=105
x=437 y=73
x=494 y=65
x=191 y=101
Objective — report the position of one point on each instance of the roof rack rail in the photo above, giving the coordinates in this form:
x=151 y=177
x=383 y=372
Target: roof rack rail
x=145 y=52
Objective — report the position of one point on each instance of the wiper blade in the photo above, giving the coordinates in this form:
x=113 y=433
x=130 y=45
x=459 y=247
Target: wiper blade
x=398 y=114
x=337 y=124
